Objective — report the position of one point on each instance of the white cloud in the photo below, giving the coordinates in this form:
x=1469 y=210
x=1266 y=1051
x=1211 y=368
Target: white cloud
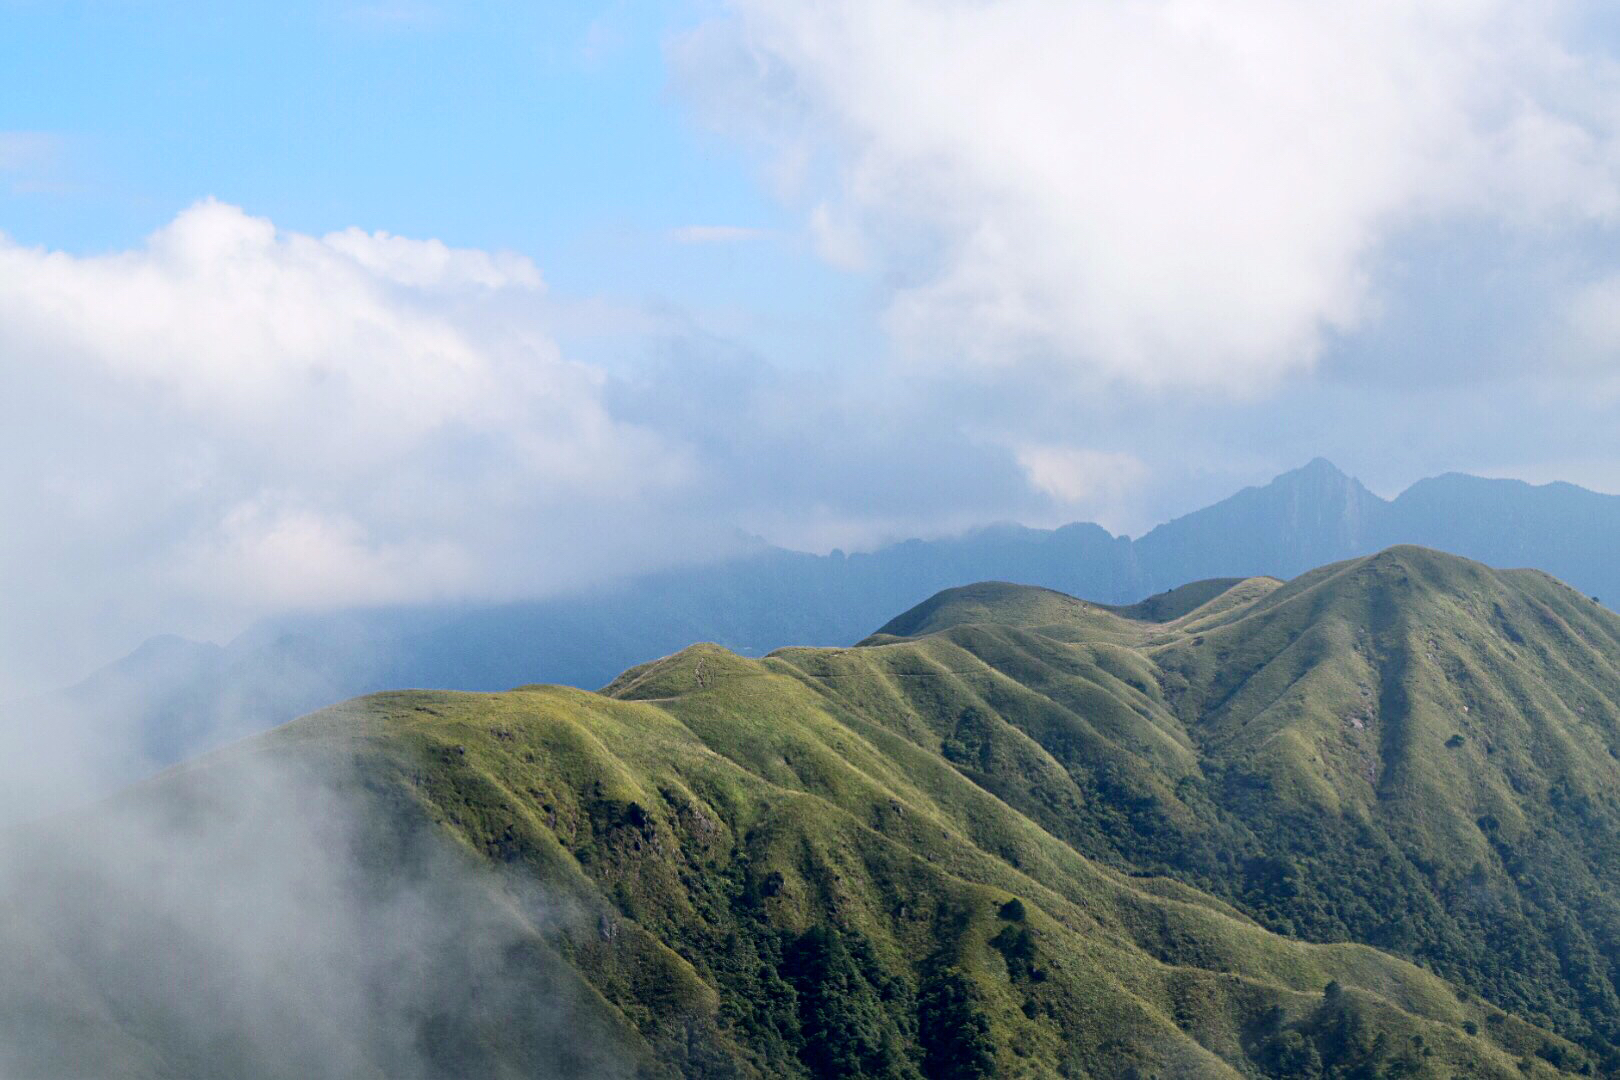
x=1079 y=476
x=349 y=338
x=1170 y=192
x=425 y=264
x=236 y=418
x=276 y=556
x=837 y=240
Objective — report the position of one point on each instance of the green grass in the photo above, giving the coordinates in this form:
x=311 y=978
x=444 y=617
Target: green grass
x=1209 y=808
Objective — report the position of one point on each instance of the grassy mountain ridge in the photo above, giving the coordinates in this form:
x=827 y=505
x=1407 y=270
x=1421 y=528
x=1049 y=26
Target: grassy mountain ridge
x=1033 y=837
x=174 y=701
x=1410 y=750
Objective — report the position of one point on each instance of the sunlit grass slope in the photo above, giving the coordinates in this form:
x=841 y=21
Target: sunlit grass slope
x=1409 y=750
x=708 y=823
x=1020 y=835
x=711 y=813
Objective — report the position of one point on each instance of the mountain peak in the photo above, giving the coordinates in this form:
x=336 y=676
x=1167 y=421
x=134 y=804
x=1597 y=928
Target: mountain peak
x=1318 y=467
x=1310 y=516
x=1318 y=475
x=998 y=602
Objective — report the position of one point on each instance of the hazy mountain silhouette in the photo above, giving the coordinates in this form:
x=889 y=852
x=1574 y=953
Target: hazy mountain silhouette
x=183 y=696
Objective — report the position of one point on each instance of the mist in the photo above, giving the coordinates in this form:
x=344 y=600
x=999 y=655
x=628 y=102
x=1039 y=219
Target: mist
x=265 y=915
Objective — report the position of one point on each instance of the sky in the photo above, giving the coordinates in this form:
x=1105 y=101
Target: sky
x=311 y=305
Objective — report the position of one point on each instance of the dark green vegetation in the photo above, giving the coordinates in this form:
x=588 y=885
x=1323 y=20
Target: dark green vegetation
x=1359 y=825
x=176 y=693
x=1409 y=750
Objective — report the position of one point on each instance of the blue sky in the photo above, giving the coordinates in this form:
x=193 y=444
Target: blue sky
x=312 y=304
x=549 y=129
x=501 y=125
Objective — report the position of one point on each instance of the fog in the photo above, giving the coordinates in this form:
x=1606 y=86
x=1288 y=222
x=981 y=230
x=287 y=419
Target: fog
x=268 y=909
x=261 y=915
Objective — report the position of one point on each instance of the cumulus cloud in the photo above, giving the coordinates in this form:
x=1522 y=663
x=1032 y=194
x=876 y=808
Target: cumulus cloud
x=352 y=336
x=1168 y=193
x=240 y=416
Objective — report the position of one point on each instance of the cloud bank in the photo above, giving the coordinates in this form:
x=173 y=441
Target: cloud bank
x=241 y=417
x=257 y=914
x=232 y=419
x=1173 y=193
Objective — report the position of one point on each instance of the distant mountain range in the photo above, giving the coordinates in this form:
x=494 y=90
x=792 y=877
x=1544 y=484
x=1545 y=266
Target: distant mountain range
x=182 y=696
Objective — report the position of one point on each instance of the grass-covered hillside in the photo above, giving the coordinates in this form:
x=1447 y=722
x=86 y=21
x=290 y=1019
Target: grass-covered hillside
x=1409 y=750
x=1357 y=825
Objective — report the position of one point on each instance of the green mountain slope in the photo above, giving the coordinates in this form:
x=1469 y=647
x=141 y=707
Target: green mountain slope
x=1013 y=835
x=1409 y=750
x=172 y=699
